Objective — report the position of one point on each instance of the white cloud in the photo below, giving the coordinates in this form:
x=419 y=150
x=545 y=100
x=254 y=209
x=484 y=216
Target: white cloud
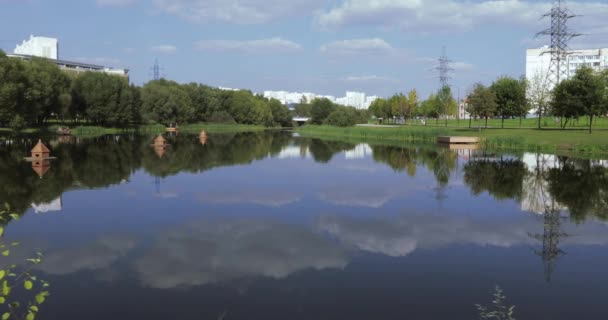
x=401 y=235
x=272 y=198
x=164 y=49
x=98 y=255
x=205 y=252
x=373 y=46
x=271 y=45
x=369 y=78
x=236 y=11
x=449 y=15
x=114 y=3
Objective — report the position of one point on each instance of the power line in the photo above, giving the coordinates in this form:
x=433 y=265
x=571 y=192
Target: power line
x=443 y=66
x=560 y=36
x=156 y=69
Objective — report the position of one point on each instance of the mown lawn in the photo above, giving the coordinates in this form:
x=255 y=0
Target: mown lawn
x=548 y=140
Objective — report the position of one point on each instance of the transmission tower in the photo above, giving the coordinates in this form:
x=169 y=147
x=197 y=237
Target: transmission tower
x=560 y=36
x=156 y=70
x=443 y=66
x=550 y=239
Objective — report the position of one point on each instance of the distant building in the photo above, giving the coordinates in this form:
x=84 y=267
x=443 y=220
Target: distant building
x=359 y=152
x=539 y=60
x=352 y=99
x=39 y=47
x=462 y=109
x=48 y=48
x=54 y=205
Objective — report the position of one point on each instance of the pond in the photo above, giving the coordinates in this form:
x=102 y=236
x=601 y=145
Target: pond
x=272 y=225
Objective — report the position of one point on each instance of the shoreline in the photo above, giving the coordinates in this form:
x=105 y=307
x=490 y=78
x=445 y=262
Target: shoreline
x=561 y=142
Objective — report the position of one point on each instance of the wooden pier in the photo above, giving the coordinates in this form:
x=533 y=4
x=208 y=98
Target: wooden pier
x=458 y=140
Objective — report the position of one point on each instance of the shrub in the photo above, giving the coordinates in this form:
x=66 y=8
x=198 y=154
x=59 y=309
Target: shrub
x=221 y=117
x=17 y=124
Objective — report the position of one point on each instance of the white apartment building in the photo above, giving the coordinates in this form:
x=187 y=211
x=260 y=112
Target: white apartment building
x=39 y=47
x=44 y=47
x=352 y=99
x=539 y=60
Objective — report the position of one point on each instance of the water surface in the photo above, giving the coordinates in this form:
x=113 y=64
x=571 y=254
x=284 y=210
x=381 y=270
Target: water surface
x=274 y=226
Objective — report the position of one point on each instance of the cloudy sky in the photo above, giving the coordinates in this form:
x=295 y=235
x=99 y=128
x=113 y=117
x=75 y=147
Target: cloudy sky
x=323 y=46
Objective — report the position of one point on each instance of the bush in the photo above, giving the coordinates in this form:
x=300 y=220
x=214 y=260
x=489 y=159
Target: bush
x=342 y=117
x=221 y=117
x=17 y=123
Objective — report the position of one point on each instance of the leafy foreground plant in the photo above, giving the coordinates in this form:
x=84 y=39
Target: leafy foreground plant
x=13 y=280
x=500 y=310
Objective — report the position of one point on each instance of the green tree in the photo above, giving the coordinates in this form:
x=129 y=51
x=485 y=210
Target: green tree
x=446 y=103
x=13 y=82
x=510 y=98
x=412 y=103
x=280 y=114
x=45 y=84
x=381 y=109
x=430 y=108
x=303 y=109
x=584 y=94
x=539 y=95
x=166 y=102
x=399 y=104
x=321 y=109
x=106 y=99
x=343 y=117
x=482 y=102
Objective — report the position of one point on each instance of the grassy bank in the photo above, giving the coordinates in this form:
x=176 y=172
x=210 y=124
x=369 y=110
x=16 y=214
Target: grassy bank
x=530 y=123
x=548 y=140
x=88 y=131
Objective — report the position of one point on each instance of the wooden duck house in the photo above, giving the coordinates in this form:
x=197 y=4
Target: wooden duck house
x=160 y=141
x=41 y=167
x=40 y=151
x=203 y=137
x=40 y=159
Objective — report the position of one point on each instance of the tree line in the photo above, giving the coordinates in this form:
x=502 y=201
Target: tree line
x=34 y=92
x=324 y=111
x=585 y=94
x=403 y=107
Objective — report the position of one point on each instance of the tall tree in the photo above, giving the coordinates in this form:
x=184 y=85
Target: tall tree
x=539 y=94
x=510 y=98
x=280 y=114
x=412 y=103
x=446 y=103
x=13 y=82
x=430 y=108
x=321 y=109
x=482 y=102
x=583 y=94
x=398 y=103
x=166 y=102
x=45 y=83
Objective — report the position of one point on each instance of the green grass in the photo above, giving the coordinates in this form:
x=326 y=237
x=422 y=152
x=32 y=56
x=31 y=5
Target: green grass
x=89 y=131
x=531 y=123
x=547 y=140
x=209 y=127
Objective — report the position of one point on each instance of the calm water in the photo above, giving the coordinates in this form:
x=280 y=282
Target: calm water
x=271 y=226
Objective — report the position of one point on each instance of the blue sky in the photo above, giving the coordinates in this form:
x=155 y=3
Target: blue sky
x=377 y=46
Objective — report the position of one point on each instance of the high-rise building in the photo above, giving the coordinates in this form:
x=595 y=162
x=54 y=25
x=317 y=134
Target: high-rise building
x=48 y=48
x=539 y=60
x=39 y=47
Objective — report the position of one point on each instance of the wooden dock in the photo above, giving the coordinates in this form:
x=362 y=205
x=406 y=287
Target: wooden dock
x=458 y=140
